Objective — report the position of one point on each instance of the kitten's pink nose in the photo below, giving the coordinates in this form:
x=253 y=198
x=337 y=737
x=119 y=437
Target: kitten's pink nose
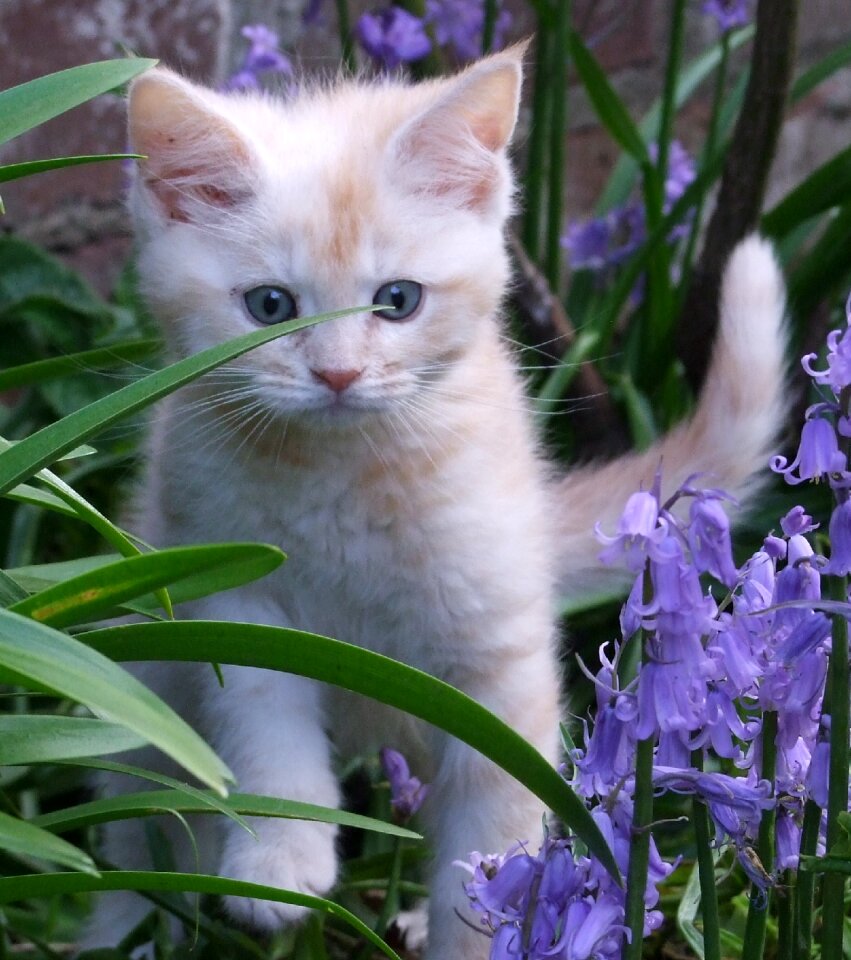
x=337 y=380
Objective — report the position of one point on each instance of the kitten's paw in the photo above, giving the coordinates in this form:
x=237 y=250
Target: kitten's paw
x=413 y=926
x=290 y=855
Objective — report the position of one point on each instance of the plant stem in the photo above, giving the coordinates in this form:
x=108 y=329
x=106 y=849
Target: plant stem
x=538 y=143
x=672 y=68
x=706 y=872
x=785 y=916
x=833 y=884
x=346 y=43
x=642 y=817
x=805 y=888
x=754 y=942
x=390 y=907
x=558 y=108
x=489 y=25
x=708 y=153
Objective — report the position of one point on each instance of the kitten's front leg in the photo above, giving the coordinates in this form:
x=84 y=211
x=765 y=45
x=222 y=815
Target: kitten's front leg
x=475 y=806
x=269 y=728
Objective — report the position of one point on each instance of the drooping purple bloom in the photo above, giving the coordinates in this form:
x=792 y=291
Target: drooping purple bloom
x=641 y=533
x=709 y=540
x=406 y=792
x=263 y=56
x=459 y=24
x=837 y=376
x=797 y=521
x=840 y=540
x=728 y=13
x=392 y=36
x=818 y=454
x=735 y=805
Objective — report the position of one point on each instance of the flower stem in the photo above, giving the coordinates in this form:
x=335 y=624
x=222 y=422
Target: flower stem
x=708 y=154
x=558 y=109
x=489 y=25
x=754 y=942
x=538 y=140
x=833 y=884
x=785 y=917
x=346 y=42
x=805 y=887
x=639 y=852
x=390 y=907
x=706 y=872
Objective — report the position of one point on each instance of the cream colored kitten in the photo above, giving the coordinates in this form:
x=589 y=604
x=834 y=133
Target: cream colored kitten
x=393 y=456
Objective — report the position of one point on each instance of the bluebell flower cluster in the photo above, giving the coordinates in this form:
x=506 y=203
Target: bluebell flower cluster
x=264 y=56
x=407 y=792
x=560 y=904
x=604 y=243
x=727 y=13
x=393 y=36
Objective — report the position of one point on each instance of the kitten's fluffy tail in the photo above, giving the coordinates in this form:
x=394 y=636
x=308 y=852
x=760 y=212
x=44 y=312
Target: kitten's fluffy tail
x=729 y=437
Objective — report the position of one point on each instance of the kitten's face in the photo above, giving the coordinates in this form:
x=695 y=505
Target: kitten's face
x=253 y=212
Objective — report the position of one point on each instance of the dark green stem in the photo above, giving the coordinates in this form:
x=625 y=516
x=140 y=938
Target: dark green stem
x=785 y=916
x=558 y=110
x=642 y=817
x=489 y=25
x=805 y=888
x=706 y=872
x=833 y=884
x=536 y=160
x=390 y=907
x=639 y=853
x=672 y=69
x=754 y=942
x=708 y=153
x=346 y=40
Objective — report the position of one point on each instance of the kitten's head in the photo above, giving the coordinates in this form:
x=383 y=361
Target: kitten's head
x=252 y=210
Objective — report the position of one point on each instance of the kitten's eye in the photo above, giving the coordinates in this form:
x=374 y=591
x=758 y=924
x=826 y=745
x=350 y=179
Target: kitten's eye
x=401 y=297
x=270 y=304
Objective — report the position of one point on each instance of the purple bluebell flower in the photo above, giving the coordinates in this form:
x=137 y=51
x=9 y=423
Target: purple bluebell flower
x=406 y=792
x=709 y=540
x=459 y=24
x=392 y=36
x=837 y=376
x=818 y=454
x=641 y=533
x=728 y=13
x=735 y=805
x=787 y=831
x=589 y=244
x=263 y=56
x=797 y=521
x=817 y=772
x=840 y=540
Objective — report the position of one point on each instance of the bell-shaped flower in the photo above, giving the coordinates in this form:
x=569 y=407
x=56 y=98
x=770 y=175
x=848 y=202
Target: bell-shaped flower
x=840 y=541
x=837 y=376
x=818 y=454
x=709 y=540
x=406 y=792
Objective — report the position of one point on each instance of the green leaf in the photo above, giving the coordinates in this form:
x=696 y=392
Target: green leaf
x=14 y=171
x=24 y=493
x=36 y=656
x=18 y=836
x=825 y=266
x=28 y=739
x=30 y=104
x=826 y=865
x=28 y=456
x=93 y=594
x=38 y=576
x=10 y=590
x=609 y=106
x=367 y=673
x=103 y=358
x=51 y=884
x=828 y=186
x=149 y=803
x=826 y=67
x=623 y=176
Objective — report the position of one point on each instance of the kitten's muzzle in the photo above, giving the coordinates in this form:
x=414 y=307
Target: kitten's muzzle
x=337 y=380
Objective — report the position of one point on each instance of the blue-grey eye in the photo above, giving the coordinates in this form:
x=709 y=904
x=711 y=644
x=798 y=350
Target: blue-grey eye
x=270 y=304
x=401 y=297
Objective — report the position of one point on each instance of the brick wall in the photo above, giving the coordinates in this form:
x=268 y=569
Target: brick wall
x=78 y=213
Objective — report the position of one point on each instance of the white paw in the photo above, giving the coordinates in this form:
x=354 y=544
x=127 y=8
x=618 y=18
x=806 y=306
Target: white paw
x=413 y=926
x=294 y=855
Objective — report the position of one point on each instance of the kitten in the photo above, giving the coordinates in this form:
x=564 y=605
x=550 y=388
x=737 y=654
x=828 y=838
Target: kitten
x=392 y=455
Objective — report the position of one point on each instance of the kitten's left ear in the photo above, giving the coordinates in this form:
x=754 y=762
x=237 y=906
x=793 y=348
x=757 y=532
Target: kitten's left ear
x=456 y=148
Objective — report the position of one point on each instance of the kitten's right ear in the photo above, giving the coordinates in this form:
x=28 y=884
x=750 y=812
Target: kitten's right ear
x=194 y=157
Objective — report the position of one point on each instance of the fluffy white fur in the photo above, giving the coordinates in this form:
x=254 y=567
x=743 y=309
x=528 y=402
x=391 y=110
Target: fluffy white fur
x=417 y=512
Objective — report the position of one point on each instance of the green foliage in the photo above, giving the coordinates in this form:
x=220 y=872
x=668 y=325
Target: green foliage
x=69 y=703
